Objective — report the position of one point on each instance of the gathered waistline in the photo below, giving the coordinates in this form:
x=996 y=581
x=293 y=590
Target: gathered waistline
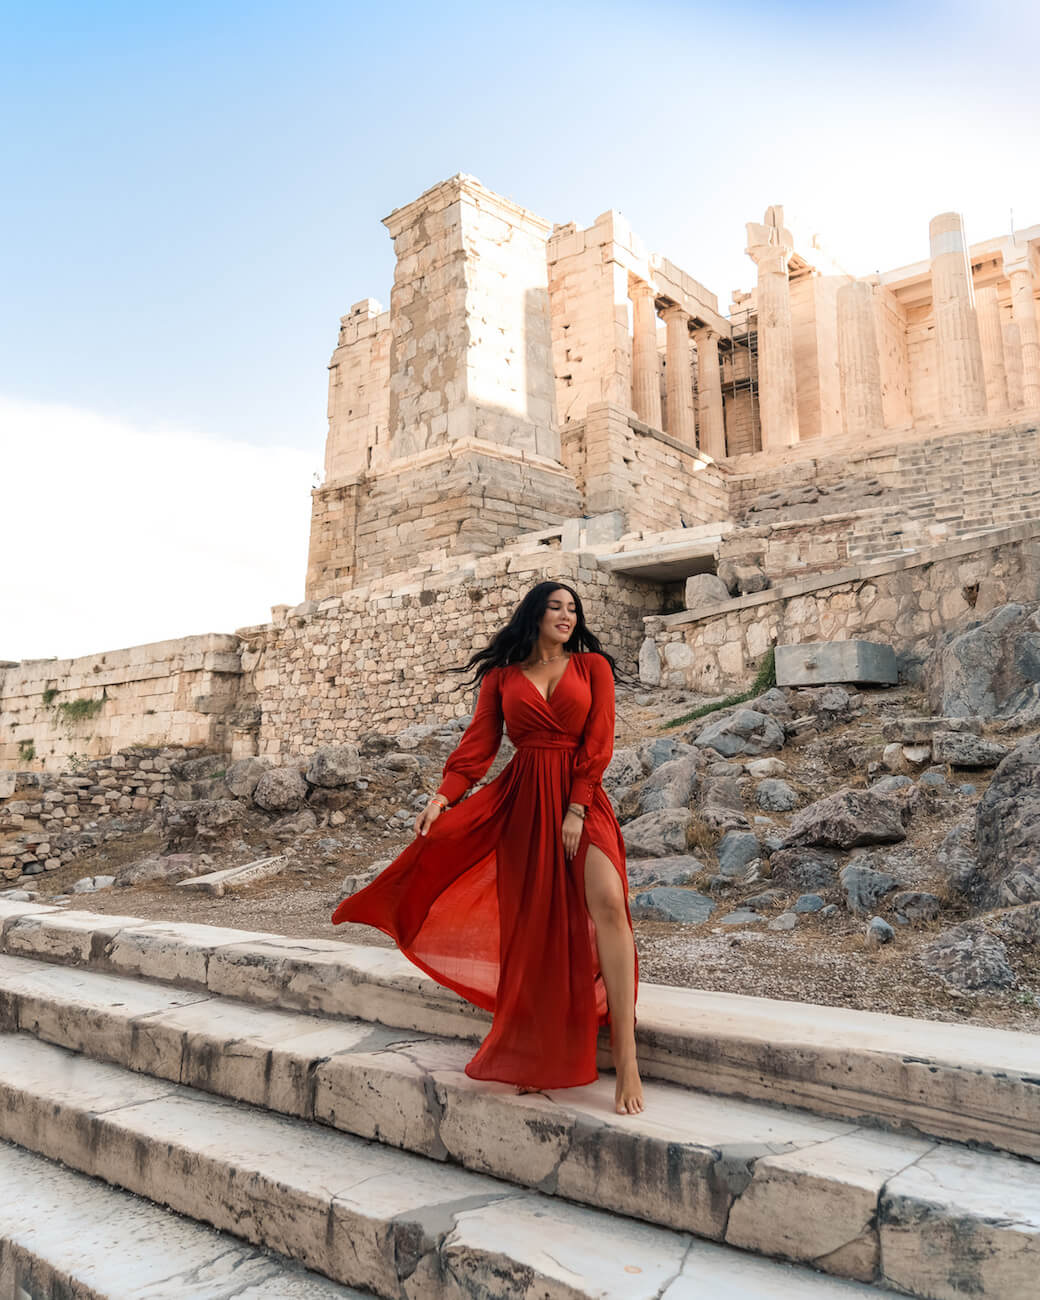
x=548 y=740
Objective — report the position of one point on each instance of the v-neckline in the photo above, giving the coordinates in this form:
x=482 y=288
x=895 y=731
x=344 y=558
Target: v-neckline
x=546 y=698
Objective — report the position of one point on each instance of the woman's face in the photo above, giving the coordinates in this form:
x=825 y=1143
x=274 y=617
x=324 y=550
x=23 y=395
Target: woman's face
x=560 y=618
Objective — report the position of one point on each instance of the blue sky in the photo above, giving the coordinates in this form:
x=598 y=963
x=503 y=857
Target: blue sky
x=193 y=195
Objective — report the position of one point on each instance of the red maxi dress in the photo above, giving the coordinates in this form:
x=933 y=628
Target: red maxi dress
x=488 y=903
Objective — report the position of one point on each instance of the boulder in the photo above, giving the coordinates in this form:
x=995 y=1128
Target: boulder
x=663 y=749
x=958 y=860
x=334 y=765
x=204 y=820
x=774 y=702
x=890 y=784
x=761 y=768
x=649 y=663
x=919 y=731
x=878 y=932
x=624 y=769
x=671 y=785
x=847 y=819
x=916 y=905
x=704 y=589
x=1021 y=924
x=962 y=749
x=785 y=921
x=742 y=579
x=804 y=869
x=679 y=870
x=735 y=850
x=742 y=916
x=664 y=904
x=863 y=887
x=1007 y=828
x=745 y=731
x=766 y=901
x=658 y=834
x=159 y=870
x=722 y=805
x=969 y=958
x=989 y=670
x=281 y=789
x=808 y=903
x=241 y=777
x=91 y=884
x=775 y=796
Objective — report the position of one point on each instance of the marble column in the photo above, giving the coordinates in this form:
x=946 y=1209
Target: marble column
x=679 y=376
x=859 y=362
x=770 y=246
x=962 y=384
x=1013 y=365
x=646 y=365
x=991 y=337
x=1018 y=268
x=709 y=393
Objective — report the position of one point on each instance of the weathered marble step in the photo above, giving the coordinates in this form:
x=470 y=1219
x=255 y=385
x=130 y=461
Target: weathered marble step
x=64 y=1234
x=693 y=1162
x=960 y=1082
x=366 y=1215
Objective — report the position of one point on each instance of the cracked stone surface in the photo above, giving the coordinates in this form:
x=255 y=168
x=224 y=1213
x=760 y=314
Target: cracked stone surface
x=836 y=1185
x=961 y=1222
x=74 y=1236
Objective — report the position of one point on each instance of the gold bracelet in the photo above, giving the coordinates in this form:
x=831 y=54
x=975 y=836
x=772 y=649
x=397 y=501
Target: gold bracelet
x=434 y=797
x=578 y=809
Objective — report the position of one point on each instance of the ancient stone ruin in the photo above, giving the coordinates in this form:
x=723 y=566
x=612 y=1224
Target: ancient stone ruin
x=830 y=457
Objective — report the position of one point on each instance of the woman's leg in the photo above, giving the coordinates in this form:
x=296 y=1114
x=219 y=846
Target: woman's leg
x=605 y=898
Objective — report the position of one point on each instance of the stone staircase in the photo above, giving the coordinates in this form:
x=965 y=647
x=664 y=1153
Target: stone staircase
x=954 y=486
x=301 y=1105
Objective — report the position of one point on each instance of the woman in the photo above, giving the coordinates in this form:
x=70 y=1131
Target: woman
x=517 y=898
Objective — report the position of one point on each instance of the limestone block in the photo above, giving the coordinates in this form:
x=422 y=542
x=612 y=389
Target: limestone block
x=705 y=589
x=819 y=663
x=956 y=1214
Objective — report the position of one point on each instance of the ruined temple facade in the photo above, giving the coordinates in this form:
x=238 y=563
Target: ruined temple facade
x=831 y=458
x=527 y=374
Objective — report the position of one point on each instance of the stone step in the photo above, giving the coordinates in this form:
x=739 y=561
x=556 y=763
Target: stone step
x=694 y=1162
x=368 y=1216
x=65 y=1234
x=959 y=1082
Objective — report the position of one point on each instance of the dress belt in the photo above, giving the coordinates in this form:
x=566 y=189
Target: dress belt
x=548 y=740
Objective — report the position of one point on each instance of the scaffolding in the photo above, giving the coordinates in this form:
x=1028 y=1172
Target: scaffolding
x=740 y=375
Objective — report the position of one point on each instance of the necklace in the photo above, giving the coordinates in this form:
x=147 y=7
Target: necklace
x=552 y=659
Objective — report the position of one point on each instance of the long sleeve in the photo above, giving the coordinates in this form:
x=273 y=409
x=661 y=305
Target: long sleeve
x=476 y=751
x=597 y=742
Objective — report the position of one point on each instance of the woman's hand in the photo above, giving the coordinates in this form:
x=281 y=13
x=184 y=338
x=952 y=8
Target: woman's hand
x=428 y=816
x=571 y=833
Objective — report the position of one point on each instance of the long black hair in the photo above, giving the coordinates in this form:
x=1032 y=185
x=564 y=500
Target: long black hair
x=513 y=643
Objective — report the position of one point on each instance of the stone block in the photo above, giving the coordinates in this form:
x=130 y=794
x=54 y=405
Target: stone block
x=822 y=662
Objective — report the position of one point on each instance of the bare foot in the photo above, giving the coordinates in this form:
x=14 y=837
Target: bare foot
x=524 y=1091
x=628 y=1092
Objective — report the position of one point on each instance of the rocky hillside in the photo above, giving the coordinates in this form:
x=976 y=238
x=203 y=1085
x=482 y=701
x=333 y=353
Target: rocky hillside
x=872 y=848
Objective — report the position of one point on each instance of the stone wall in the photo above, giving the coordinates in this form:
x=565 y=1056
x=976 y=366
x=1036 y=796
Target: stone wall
x=359 y=393
x=183 y=692
x=469 y=497
x=47 y=818
x=658 y=482
x=907 y=602
x=373 y=659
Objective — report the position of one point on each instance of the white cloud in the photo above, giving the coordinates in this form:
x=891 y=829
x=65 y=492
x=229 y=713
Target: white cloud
x=112 y=537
